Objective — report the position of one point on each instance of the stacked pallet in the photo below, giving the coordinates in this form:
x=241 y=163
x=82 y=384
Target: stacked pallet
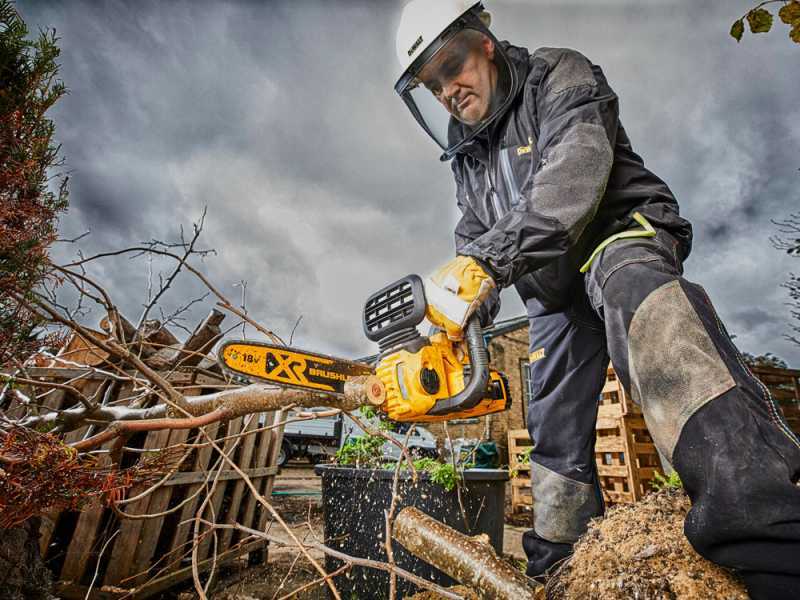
x=519 y=466
x=784 y=387
x=113 y=554
x=149 y=556
x=627 y=460
x=626 y=456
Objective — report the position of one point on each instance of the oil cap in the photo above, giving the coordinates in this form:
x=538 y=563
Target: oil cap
x=429 y=379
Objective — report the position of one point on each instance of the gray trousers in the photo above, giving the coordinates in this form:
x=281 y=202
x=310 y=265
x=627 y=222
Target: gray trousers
x=706 y=412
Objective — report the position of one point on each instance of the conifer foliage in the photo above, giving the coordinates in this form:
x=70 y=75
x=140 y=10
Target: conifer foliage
x=32 y=192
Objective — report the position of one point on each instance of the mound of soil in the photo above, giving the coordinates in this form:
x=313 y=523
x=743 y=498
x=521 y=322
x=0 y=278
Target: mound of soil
x=639 y=551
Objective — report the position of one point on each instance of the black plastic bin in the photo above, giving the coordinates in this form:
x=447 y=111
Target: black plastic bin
x=354 y=501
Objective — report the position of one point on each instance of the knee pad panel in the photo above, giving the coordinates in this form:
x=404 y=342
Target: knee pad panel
x=675 y=367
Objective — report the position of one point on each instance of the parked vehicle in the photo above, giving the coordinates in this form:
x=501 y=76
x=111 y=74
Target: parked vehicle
x=319 y=439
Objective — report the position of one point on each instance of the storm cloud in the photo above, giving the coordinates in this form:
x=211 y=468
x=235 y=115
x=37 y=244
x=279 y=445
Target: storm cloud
x=280 y=117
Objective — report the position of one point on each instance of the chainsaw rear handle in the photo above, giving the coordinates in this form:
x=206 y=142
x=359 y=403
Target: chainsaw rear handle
x=475 y=389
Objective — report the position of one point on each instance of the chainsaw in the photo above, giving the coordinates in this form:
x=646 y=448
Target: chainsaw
x=426 y=378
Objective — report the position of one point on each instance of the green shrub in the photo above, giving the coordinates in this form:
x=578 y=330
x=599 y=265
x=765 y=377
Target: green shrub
x=363 y=450
x=670 y=482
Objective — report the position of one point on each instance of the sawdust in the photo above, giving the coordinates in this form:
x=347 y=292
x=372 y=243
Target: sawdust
x=639 y=551
x=459 y=589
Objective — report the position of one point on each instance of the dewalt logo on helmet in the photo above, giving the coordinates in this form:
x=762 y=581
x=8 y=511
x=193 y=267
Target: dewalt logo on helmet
x=415 y=46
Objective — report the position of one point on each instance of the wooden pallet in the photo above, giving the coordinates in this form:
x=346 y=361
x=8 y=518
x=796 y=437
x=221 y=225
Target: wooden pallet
x=784 y=387
x=519 y=441
x=614 y=402
x=626 y=458
x=151 y=555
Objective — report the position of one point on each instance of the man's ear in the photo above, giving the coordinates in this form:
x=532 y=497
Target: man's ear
x=488 y=47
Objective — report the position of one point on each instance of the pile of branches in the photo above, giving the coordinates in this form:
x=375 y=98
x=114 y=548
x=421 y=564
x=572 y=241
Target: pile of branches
x=39 y=473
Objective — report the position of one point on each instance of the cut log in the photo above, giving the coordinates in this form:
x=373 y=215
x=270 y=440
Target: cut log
x=154 y=333
x=469 y=560
x=128 y=330
x=202 y=340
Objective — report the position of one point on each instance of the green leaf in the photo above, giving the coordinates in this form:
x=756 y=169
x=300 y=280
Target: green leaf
x=790 y=13
x=760 y=20
x=737 y=30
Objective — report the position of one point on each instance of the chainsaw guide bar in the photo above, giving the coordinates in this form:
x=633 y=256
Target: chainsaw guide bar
x=289 y=366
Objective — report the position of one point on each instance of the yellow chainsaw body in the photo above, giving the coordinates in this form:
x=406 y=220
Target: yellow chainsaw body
x=403 y=373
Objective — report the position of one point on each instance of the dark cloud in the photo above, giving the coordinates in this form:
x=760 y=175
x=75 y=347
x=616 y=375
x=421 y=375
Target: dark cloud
x=281 y=118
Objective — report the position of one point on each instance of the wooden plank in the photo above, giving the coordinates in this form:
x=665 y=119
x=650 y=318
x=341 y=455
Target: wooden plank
x=151 y=529
x=612 y=470
x=272 y=459
x=766 y=371
x=609 y=444
x=261 y=454
x=605 y=422
x=185 y=531
x=609 y=411
x=238 y=489
x=46 y=529
x=626 y=425
x=212 y=510
x=188 y=477
x=84 y=540
x=124 y=549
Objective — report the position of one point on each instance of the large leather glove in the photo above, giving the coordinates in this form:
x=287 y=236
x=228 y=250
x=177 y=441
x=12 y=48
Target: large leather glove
x=454 y=292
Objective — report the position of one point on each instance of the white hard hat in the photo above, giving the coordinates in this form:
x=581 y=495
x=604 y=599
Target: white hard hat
x=444 y=82
x=423 y=21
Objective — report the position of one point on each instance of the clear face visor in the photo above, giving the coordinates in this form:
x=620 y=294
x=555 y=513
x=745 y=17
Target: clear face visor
x=459 y=89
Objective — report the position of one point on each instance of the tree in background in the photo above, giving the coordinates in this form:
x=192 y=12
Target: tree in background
x=789 y=242
x=31 y=195
x=764 y=360
x=760 y=19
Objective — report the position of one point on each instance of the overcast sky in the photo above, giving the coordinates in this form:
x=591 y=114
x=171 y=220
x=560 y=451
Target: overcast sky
x=281 y=118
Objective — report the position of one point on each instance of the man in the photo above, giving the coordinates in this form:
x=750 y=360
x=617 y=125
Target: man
x=556 y=202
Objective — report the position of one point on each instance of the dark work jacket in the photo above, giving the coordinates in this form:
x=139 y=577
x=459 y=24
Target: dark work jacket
x=554 y=176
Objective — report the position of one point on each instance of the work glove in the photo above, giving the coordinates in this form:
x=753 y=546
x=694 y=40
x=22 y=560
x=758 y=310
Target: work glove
x=454 y=292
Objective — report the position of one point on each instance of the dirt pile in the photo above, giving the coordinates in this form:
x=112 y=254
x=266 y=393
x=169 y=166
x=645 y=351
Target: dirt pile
x=639 y=551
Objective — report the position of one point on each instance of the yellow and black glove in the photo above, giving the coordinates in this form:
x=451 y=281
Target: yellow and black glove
x=454 y=292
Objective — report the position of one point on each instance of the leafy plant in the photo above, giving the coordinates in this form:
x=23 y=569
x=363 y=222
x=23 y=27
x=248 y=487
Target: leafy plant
x=442 y=473
x=367 y=451
x=363 y=450
x=759 y=19
x=670 y=482
x=523 y=458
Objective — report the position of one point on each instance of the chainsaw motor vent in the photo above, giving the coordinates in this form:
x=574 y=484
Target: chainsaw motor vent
x=392 y=314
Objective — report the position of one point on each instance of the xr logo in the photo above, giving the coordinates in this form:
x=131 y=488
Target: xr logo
x=286 y=367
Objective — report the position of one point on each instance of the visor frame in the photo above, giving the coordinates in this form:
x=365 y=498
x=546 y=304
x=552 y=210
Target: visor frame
x=469 y=20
